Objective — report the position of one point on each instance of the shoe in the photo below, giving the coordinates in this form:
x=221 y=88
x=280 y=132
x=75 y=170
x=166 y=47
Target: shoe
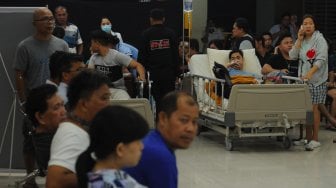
x=300 y=142
x=312 y=145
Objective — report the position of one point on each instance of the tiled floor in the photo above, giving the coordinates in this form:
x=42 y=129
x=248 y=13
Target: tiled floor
x=254 y=163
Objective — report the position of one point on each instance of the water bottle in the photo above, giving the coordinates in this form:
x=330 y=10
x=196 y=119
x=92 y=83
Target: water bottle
x=187 y=5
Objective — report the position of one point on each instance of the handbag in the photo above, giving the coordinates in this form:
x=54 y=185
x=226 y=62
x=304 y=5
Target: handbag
x=221 y=72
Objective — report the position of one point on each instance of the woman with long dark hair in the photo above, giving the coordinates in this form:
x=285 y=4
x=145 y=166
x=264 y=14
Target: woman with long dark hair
x=115 y=143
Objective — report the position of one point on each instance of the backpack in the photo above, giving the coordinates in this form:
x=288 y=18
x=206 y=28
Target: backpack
x=221 y=72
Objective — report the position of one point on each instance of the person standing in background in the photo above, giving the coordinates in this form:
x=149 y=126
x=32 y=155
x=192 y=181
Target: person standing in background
x=283 y=27
x=72 y=35
x=312 y=49
x=31 y=65
x=158 y=53
x=242 y=40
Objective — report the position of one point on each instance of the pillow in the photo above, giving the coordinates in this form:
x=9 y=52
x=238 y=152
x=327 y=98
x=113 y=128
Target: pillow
x=198 y=65
x=251 y=62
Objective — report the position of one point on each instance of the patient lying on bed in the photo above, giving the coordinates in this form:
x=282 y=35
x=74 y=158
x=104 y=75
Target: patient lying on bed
x=233 y=74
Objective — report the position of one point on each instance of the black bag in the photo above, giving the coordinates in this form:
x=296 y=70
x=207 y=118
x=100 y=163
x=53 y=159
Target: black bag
x=221 y=72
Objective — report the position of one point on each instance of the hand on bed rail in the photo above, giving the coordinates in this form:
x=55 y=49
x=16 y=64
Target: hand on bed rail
x=141 y=78
x=299 y=79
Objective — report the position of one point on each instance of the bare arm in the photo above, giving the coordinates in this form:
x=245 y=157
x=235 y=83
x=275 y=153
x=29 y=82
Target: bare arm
x=140 y=69
x=79 y=49
x=311 y=72
x=20 y=85
x=268 y=68
x=60 y=177
x=300 y=38
x=331 y=77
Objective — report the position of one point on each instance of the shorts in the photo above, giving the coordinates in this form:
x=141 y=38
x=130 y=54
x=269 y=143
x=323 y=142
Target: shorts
x=318 y=93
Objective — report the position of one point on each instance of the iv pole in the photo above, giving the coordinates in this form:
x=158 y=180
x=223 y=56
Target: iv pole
x=187 y=16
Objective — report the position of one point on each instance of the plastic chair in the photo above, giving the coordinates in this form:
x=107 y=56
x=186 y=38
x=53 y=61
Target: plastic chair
x=140 y=105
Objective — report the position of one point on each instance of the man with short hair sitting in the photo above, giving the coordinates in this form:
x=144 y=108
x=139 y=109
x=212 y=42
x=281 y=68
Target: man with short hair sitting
x=176 y=129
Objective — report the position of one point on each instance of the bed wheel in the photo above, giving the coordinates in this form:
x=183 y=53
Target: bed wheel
x=229 y=145
x=287 y=142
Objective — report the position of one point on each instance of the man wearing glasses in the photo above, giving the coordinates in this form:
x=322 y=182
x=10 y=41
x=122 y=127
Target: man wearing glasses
x=71 y=64
x=31 y=65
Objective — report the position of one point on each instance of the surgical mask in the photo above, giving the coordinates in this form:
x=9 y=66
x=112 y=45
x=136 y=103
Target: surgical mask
x=106 y=28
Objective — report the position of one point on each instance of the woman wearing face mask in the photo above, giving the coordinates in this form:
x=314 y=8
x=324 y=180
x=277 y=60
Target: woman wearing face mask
x=312 y=50
x=106 y=25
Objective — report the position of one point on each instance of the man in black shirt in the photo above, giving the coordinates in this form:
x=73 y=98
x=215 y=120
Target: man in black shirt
x=158 y=53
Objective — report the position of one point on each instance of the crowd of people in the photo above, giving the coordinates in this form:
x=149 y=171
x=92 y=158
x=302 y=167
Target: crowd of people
x=88 y=143
x=287 y=49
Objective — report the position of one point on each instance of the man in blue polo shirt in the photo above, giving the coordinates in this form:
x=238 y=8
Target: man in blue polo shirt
x=176 y=129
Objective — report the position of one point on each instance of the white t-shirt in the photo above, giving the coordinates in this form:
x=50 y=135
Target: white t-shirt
x=62 y=91
x=105 y=64
x=68 y=143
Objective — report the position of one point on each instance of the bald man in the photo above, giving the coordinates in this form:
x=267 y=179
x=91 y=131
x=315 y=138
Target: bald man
x=31 y=66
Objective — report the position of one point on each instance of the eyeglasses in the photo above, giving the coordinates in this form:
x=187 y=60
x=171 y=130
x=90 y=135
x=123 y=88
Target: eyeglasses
x=46 y=19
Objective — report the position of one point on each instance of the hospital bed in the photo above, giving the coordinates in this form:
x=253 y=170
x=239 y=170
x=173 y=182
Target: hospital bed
x=252 y=110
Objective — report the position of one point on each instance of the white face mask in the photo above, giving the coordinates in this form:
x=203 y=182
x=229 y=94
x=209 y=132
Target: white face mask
x=107 y=28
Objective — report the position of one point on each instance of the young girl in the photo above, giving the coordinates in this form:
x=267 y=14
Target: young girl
x=312 y=49
x=115 y=143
